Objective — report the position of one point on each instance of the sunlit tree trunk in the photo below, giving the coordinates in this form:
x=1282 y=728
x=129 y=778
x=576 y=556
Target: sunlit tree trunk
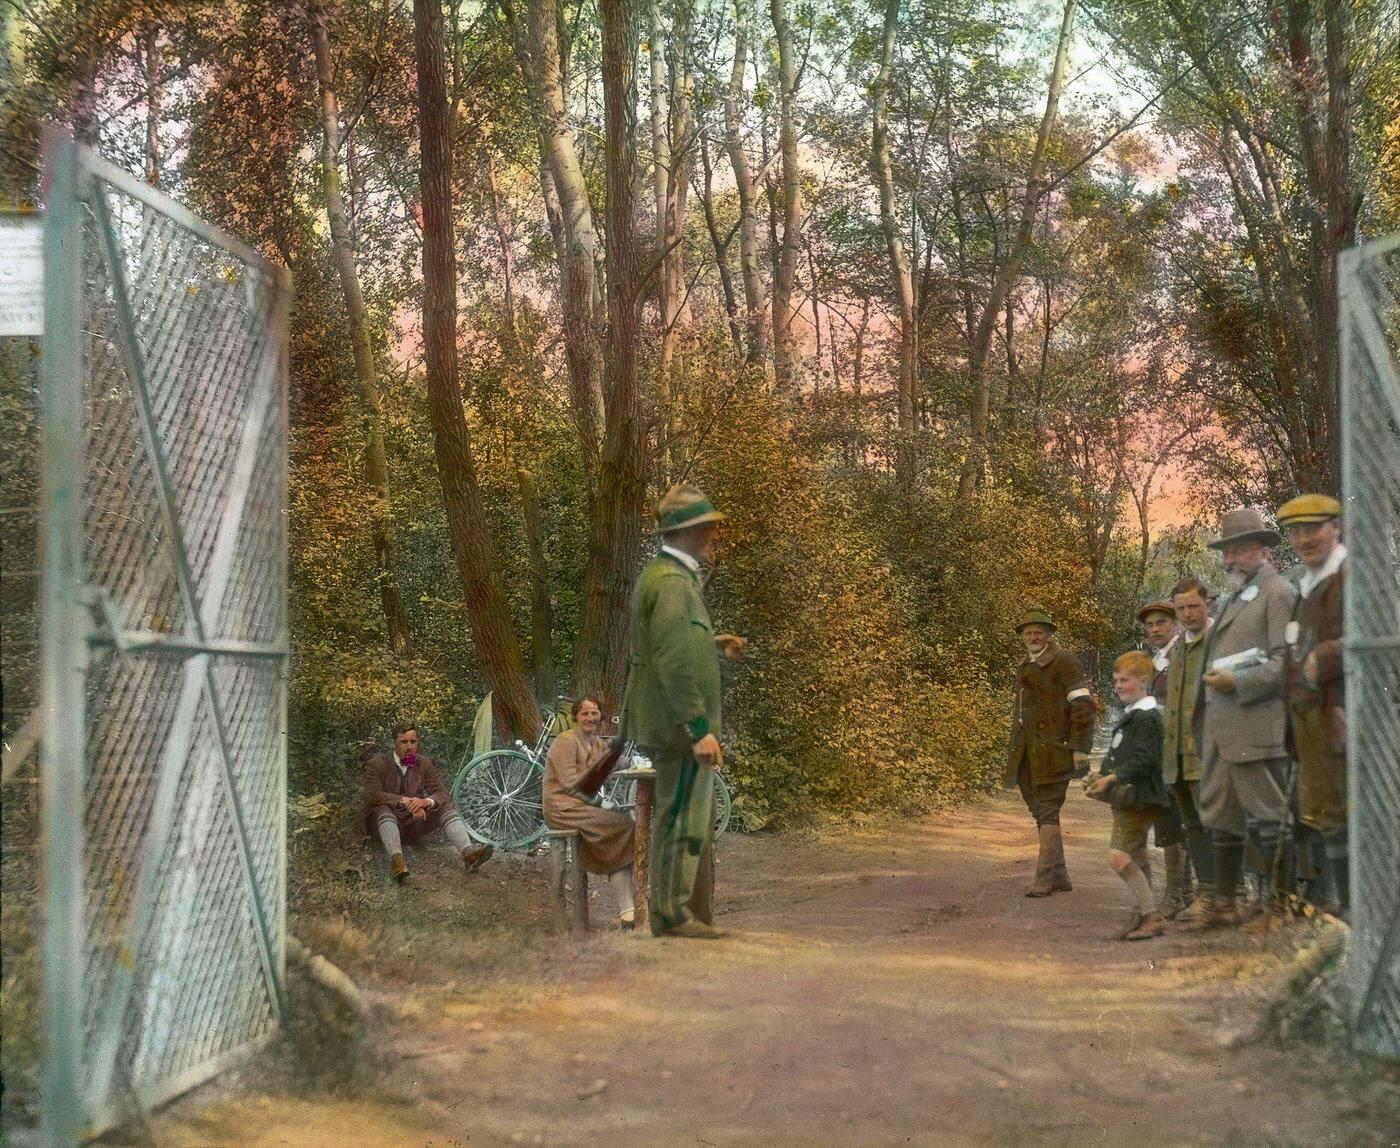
x=755 y=306
x=785 y=357
x=985 y=332
x=900 y=270
x=357 y=320
x=615 y=535
x=492 y=628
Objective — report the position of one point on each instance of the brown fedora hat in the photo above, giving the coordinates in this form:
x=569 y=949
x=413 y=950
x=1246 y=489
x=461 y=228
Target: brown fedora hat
x=1245 y=525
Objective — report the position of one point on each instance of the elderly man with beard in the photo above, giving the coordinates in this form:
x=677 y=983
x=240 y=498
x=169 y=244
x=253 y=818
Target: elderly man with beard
x=1316 y=699
x=1052 y=731
x=1240 y=720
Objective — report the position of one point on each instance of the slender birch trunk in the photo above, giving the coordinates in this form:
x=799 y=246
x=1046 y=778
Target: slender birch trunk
x=376 y=464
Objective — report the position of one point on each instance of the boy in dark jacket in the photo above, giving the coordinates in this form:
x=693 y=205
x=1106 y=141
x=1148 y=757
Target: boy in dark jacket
x=1134 y=761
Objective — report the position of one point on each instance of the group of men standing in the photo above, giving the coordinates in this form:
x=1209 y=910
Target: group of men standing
x=1253 y=717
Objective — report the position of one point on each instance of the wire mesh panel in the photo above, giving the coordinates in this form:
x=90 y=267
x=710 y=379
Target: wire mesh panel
x=164 y=640
x=1370 y=284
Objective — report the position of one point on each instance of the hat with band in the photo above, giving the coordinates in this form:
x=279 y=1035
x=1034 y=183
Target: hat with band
x=1161 y=606
x=1245 y=525
x=684 y=506
x=1036 y=618
x=1309 y=508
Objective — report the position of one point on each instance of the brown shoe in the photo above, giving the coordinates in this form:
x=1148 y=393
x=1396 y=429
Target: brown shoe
x=1217 y=916
x=1198 y=908
x=476 y=856
x=1153 y=925
x=398 y=868
x=1129 y=925
x=1274 y=918
x=694 y=930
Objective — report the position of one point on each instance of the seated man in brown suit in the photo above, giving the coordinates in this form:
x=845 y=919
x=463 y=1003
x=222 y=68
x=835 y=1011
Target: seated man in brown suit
x=405 y=799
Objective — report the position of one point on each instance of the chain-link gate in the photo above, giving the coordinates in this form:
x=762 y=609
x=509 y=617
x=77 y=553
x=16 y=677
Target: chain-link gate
x=1370 y=292
x=164 y=646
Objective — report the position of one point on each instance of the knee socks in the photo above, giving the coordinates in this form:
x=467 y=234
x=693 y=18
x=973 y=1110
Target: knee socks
x=456 y=832
x=1136 y=880
x=389 y=835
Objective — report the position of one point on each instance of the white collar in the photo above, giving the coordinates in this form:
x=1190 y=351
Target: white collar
x=1190 y=639
x=1311 y=578
x=1144 y=703
x=687 y=560
x=402 y=768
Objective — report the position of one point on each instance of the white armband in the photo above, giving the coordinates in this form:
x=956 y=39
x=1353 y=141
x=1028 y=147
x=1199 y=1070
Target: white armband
x=1079 y=693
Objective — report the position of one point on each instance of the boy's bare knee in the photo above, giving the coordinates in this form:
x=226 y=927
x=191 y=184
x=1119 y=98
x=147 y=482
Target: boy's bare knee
x=1119 y=860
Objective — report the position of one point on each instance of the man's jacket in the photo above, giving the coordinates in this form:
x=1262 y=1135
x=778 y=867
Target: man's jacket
x=1179 y=750
x=384 y=785
x=673 y=686
x=1248 y=724
x=1052 y=718
x=1319 y=632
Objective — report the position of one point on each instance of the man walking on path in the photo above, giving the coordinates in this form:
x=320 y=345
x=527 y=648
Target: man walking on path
x=1181 y=762
x=1158 y=621
x=1052 y=731
x=672 y=708
x=1240 y=719
x=1316 y=699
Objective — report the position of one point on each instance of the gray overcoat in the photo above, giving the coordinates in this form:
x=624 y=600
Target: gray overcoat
x=1249 y=724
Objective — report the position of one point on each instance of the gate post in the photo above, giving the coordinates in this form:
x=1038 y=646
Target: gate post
x=63 y=702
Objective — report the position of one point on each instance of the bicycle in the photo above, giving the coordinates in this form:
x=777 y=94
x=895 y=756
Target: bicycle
x=500 y=793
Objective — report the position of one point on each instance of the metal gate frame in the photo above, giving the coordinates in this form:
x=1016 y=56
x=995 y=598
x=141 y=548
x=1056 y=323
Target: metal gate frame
x=1369 y=288
x=163 y=655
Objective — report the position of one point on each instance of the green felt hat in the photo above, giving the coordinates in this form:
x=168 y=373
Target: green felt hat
x=685 y=506
x=1036 y=618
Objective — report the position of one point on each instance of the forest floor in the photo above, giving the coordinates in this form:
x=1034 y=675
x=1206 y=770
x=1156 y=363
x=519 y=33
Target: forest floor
x=884 y=985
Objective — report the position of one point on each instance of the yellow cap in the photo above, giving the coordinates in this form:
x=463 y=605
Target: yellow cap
x=1309 y=508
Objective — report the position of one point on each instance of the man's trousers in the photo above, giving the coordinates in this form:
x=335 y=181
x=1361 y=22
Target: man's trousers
x=682 y=878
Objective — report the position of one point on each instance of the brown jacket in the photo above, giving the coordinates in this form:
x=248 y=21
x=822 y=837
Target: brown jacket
x=384 y=785
x=1052 y=718
x=1318 y=619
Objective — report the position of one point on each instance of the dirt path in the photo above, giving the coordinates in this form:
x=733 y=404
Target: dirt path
x=888 y=987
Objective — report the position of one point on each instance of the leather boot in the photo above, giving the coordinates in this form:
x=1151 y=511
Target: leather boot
x=1199 y=908
x=1174 y=897
x=1044 y=884
x=398 y=868
x=1059 y=878
x=475 y=856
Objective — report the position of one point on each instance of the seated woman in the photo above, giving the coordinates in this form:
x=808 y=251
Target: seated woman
x=605 y=836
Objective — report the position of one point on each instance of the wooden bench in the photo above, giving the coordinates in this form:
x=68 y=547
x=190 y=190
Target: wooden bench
x=568 y=883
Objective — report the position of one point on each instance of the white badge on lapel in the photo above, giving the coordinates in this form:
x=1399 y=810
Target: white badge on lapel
x=1117 y=739
x=1249 y=593
x=1290 y=633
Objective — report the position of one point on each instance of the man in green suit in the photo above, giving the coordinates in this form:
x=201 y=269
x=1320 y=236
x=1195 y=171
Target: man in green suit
x=672 y=708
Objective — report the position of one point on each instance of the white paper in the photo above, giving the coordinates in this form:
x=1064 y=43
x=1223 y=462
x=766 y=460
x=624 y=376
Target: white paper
x=21 y=274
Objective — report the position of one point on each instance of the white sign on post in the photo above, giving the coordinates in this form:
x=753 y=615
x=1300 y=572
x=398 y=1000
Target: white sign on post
x=21 y=274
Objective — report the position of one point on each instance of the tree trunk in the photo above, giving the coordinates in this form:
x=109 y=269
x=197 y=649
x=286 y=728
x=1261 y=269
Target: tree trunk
x=538 y=51
x=785 y=357
x=756 y=324
x=154 y=94
x=615 y=536
x=492 y=629
x=541 y=613
x=900 y=270
x=980 y=351
x=721 y=246
x=357 y=319
x=500 y=218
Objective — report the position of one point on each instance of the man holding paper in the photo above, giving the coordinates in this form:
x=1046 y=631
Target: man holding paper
x=1241 y=719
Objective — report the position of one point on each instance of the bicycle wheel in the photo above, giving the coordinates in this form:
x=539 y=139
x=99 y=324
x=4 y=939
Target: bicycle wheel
x=620 y=793
x=500 y=797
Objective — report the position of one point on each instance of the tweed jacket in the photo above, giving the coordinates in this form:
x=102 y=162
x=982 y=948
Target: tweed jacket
x=1052 y=717
x=384 y=785
x=1135 y=754
x=672 y=698
x=1319 y=632
x=1250 y=723
x=1179 y=711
